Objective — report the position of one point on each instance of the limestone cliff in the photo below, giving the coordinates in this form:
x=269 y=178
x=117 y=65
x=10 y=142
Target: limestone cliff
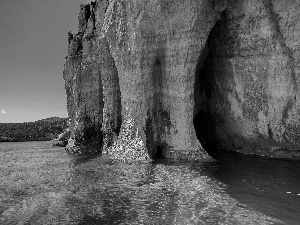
x=155 y=45
x=164 y=76
x=247 y=86
x=92 y=85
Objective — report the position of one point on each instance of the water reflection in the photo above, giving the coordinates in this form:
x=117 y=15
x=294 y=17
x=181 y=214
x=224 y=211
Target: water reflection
x=267 y=185
x=103 y=191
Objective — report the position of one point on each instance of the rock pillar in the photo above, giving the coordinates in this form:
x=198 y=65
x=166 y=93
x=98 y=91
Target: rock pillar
x=155 y=45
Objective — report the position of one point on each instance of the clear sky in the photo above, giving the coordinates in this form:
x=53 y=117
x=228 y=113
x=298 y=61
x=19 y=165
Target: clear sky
x=33 y=46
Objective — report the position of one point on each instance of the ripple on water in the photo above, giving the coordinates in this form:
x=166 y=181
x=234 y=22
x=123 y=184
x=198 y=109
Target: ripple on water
x=79 y=190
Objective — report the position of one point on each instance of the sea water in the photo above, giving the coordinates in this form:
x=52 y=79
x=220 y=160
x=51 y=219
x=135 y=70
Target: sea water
x=41 y=184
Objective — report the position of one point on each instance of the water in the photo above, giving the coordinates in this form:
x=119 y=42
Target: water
x=40 y=184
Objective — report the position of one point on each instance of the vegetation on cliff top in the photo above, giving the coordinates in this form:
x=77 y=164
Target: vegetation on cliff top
x=41 y=130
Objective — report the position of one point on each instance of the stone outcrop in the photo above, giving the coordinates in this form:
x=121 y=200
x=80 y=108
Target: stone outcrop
x=247 y=87
x=163 y=76
x=155 y=45
x=92 y=85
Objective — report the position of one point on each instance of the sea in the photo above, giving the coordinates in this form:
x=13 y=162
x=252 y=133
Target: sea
x=41 y=184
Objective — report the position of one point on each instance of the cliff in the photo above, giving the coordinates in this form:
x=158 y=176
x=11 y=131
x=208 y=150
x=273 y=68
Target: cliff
x=92 y=85
x=41 y=130
x=167 y=77
x=248 y=97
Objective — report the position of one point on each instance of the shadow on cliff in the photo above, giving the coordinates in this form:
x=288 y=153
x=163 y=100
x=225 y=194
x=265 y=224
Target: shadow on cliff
x=90 y=138
x=158 y=118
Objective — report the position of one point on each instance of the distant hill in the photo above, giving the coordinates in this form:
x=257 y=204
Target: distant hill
x=41 y=130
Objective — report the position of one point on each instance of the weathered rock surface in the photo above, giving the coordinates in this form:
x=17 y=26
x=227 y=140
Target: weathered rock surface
x=155 y=45
x=91 y=83
x=221 y=73
x=247 y=88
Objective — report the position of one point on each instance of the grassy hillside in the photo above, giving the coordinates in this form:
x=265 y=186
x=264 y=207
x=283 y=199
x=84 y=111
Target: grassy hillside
x=41 y=130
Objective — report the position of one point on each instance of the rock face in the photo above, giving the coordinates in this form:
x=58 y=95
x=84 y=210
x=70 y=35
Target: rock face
x=216 y=72
x=247 y=87
x=92 y=85
x=155 y=45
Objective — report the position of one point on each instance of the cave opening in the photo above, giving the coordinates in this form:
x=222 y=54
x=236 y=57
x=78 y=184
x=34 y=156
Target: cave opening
x=204 y=89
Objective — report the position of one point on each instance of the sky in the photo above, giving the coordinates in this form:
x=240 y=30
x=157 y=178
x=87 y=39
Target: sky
x=33 y=46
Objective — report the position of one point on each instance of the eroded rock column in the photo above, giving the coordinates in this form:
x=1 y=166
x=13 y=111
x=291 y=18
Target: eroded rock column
x=84 y=86
x=91 y=82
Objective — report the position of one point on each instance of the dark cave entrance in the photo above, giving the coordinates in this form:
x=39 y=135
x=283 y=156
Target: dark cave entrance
x=204 y=89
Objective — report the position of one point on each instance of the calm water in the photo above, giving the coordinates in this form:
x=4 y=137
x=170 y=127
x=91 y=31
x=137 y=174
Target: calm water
x=43 y=185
